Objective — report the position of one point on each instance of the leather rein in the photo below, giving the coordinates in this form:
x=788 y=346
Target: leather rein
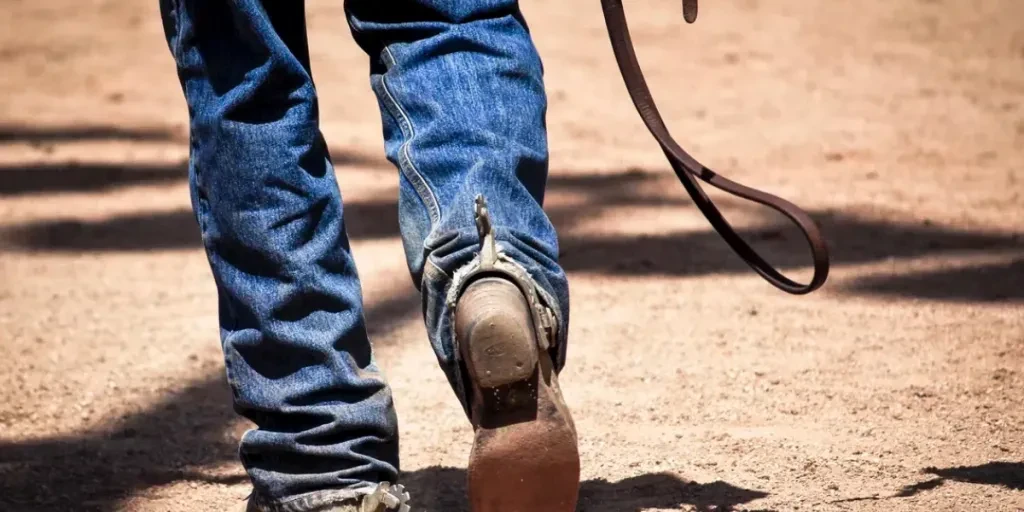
x=688 y=169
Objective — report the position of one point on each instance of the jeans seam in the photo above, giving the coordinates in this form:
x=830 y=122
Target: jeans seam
x=173 y=13
x=202 y=207
x=405 y=162
x=430 y=262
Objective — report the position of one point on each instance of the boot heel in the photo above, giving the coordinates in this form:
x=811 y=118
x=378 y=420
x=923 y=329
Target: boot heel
x=501 y=348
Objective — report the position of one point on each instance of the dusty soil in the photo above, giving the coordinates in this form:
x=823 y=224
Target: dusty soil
x=696 y=386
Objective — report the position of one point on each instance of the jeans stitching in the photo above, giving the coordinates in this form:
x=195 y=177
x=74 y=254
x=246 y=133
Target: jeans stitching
x=173 y=14
x=437 y=268
x=405 y=162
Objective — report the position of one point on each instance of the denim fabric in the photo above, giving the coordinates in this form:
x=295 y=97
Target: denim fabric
x=461 y=96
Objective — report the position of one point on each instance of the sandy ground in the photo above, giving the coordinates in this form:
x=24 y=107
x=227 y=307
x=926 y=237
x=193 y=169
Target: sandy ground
x=695 y=385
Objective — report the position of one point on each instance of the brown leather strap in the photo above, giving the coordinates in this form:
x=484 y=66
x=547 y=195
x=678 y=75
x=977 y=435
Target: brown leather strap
x=687 y=168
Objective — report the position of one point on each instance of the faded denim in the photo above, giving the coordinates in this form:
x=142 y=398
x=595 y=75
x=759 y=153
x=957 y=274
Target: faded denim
x=462 y=102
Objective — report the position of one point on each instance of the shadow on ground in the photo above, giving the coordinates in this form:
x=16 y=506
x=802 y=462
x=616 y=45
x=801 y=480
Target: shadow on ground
x=1000 y=282
x=64 y=177
x=443 y=489
x=175 y=439
x=170 y=441
x=14 y=133
x=189 y=429
x=75 y=177
x=854 y=240
x=42 y=178
x=364 y=219
x=1004 y=474
x=48 y=178
x=92 y=471
x=169 y=230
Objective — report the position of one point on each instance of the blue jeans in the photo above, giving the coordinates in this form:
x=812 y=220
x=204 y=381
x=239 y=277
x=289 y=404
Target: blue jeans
x=461 y=96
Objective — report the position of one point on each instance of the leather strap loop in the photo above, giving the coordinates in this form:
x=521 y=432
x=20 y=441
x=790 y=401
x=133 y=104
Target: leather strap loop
x=688 y=169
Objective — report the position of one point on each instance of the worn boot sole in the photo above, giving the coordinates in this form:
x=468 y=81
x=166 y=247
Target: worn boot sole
x=525 y=457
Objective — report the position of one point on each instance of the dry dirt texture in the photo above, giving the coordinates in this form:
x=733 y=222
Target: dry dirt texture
x=696 y=386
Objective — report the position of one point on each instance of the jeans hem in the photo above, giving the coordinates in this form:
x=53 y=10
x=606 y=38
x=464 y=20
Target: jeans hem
x=334 y=500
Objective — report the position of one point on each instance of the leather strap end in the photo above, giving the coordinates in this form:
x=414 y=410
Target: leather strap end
x=690 y=10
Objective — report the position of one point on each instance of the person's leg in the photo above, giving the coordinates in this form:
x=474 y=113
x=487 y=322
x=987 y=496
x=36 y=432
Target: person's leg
x=463 y=107
x=297 y=355
x=462 y=99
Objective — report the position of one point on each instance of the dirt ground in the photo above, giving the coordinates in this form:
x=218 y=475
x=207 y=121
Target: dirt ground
x=695 y=385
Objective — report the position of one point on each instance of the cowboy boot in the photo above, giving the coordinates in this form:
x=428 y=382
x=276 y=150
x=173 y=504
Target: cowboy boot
x=525 y=456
